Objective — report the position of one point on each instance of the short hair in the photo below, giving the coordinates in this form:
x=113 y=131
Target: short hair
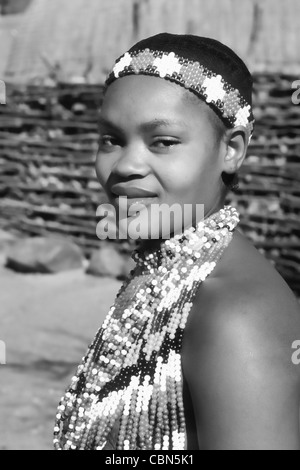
x=219 y=125
x=204 y=66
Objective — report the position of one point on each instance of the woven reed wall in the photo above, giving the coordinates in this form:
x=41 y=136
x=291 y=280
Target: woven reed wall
x=81 y=38
x=48 y=142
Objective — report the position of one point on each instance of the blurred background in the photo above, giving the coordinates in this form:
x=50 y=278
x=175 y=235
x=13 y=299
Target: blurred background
x=54 y=56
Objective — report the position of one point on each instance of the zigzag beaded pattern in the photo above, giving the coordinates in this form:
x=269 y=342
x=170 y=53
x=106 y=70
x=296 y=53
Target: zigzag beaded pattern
x=193 y=76
x=130 y=382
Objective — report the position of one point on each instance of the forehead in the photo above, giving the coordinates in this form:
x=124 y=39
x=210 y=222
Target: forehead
x=145 y=97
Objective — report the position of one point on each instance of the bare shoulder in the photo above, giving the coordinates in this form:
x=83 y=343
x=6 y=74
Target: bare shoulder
x=246 y=295
x=237 y=353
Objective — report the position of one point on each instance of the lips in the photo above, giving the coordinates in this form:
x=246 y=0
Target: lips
x=133 y=192
x=126 y=196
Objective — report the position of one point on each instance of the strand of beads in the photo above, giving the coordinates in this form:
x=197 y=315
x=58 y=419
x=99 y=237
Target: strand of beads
x=132 y=370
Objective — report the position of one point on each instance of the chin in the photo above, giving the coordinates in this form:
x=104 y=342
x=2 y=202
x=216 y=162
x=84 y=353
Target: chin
x=142 y=228
x=138 y=228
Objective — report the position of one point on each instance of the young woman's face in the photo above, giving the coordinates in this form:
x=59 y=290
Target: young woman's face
x=158 y=147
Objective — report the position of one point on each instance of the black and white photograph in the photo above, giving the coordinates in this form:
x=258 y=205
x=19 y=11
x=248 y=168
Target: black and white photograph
x=149 y=227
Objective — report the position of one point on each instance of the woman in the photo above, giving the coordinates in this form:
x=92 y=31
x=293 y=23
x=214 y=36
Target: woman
x=196 y=351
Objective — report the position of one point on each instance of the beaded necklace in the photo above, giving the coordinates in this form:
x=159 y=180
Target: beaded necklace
x=131 y=376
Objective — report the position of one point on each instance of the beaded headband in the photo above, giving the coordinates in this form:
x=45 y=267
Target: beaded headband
x=209 y=85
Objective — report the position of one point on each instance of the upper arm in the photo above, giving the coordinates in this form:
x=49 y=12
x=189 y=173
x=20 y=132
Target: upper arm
x=242 y=382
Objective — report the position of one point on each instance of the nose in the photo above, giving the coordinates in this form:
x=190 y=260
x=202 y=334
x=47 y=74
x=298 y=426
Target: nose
x=131 y=162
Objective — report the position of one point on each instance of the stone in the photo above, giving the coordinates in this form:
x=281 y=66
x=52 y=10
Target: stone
x=6 y=237
x=107 y=261
x=6 y=240
x=44 y=255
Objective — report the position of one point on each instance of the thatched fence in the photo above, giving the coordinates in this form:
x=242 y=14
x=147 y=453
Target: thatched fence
x=48 y=131
x=48 y=143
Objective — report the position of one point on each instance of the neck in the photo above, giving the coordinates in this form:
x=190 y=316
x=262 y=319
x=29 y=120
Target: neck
x=132 y=371
x=149 y=245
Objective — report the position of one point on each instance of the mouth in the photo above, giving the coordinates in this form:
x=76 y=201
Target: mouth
x=131 y=197
x=133 y=203
x=131 y=191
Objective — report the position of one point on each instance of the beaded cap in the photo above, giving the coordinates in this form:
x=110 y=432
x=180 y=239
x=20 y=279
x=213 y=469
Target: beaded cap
x=127 y=393
x=206 y=67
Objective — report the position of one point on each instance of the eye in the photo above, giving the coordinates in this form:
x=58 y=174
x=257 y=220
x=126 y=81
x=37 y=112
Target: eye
x=165 y=143
x=108 y=141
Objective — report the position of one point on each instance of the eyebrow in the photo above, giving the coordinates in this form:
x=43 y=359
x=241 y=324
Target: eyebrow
x=146 y=126
x=102 y=122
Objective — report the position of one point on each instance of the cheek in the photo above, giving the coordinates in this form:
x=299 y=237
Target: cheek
x=103 y=169
x=184 y=174
x=192 y=178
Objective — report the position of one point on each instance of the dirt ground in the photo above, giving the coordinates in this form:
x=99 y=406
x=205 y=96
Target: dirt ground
x=46 y=322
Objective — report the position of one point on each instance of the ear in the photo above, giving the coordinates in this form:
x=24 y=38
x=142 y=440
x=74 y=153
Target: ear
x=236 y=140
